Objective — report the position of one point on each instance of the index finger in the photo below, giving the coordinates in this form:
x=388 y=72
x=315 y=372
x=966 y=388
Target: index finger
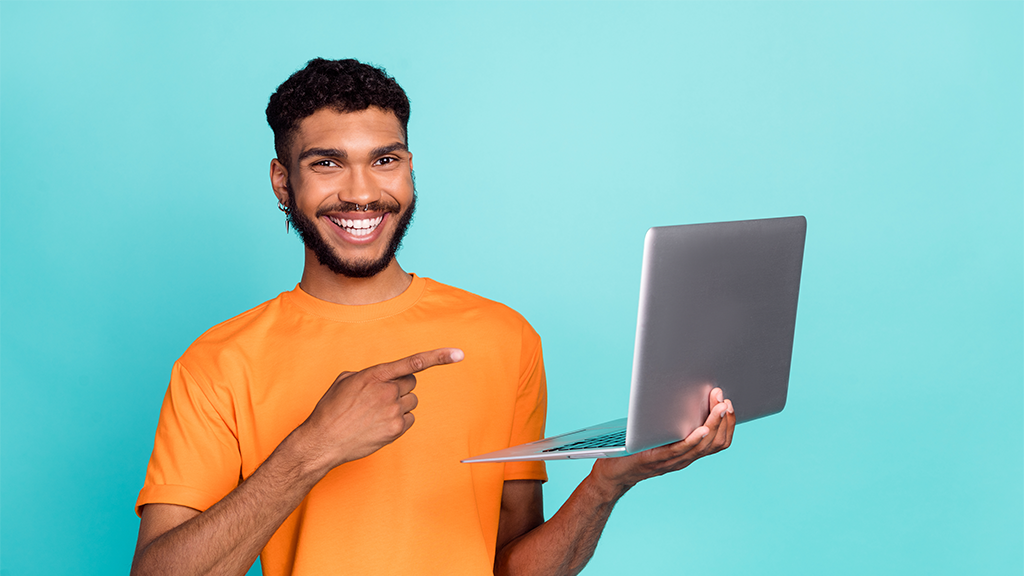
x=416 y=363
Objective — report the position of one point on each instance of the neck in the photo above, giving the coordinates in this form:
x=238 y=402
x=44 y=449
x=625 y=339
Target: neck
x=318 y=281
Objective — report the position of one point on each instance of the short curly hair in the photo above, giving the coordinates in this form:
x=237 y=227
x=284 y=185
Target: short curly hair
x=342 y=85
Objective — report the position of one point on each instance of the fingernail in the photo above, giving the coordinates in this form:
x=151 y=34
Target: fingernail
x=719 y=396
x=457 y=355
x=730 y=408
x=722 y=415
x=704 y=435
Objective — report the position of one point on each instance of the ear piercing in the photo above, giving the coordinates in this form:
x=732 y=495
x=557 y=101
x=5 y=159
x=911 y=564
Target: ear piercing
x=287 y=211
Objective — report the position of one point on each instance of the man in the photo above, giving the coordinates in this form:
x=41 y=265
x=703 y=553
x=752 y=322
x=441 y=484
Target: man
x=263 y=447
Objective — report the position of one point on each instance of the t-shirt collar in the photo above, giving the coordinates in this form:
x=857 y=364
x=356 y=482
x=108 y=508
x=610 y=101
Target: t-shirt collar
x=364 y=313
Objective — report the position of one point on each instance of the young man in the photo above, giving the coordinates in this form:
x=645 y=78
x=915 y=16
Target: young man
x=289 y=431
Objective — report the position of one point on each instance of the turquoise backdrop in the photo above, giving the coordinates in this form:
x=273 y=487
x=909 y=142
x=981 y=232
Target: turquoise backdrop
x=137 y=212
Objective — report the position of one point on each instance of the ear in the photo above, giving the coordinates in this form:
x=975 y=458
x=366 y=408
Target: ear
x=279 y=181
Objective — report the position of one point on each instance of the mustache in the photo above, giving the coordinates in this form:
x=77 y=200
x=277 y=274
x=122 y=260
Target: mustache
x=375 y=206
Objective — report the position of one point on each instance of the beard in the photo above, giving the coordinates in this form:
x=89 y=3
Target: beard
x=363 y=268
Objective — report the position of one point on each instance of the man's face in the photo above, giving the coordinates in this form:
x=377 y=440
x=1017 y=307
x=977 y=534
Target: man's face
x=350 y=188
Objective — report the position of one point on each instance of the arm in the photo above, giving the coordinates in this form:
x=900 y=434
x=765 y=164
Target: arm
x=564 y=544
x=226 y=538
x=359 y=414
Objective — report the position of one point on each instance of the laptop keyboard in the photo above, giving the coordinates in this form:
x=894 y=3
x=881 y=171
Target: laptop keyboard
x=610 y=440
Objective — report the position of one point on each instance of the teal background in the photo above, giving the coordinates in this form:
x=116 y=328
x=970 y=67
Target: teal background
x=136 y=212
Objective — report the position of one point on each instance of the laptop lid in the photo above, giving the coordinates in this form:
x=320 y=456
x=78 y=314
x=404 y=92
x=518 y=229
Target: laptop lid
x=717 y=308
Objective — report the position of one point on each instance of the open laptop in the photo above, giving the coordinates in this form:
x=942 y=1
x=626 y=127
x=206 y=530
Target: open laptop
x=717 y=309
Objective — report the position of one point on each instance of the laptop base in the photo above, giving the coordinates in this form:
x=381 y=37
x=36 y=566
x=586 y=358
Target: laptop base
x=553 y=448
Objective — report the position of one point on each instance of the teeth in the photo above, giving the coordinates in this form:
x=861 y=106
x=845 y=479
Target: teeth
x=362 y=227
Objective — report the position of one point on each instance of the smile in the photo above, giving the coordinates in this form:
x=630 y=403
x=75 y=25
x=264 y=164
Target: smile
x=362 y=227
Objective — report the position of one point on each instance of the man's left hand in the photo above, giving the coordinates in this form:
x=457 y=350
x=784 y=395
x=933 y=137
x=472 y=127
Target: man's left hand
x=621 y=474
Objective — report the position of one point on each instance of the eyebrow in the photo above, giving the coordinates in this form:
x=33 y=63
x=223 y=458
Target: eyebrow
x=389 y=149
x=336 y=153
x=331 y=152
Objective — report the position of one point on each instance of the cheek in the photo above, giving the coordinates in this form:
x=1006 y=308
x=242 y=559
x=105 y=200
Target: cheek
x=310 y=196
x=399 y=186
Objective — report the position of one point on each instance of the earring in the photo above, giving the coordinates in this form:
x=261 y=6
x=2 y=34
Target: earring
x=287 y=212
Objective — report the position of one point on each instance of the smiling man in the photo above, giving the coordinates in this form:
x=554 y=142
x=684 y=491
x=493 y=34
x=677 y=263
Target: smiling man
x=289 y=431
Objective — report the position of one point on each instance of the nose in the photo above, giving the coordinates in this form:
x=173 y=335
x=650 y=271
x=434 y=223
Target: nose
x=359 y=188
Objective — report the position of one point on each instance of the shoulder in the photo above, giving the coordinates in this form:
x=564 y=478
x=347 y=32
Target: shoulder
x=444 y=300
x=233 y=337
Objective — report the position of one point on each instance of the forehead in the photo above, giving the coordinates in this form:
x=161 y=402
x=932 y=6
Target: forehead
x=349 y=131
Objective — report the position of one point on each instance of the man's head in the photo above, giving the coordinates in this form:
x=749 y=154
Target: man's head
x=343 y=171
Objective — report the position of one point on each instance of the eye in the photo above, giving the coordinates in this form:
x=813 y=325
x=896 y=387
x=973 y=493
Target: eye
x=385 y=161
x=328 y=163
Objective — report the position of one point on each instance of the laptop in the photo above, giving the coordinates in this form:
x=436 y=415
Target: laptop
x=717 y=309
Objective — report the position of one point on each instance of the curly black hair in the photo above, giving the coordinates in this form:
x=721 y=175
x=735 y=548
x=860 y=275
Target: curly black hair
x=343 y=85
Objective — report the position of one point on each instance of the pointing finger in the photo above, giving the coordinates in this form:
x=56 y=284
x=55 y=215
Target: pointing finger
x=416 y=363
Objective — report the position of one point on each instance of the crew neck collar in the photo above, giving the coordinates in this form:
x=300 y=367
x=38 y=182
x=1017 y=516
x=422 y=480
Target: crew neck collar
x=363 y=313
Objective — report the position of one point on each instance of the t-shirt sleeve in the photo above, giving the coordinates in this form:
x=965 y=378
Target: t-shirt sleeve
x=196 y=459
x=531 y=407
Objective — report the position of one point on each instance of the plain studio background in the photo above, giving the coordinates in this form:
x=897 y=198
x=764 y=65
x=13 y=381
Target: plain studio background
x=137 y=212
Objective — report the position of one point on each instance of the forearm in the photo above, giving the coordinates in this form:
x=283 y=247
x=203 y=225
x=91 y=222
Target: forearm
x=227 y=538
x=565 y=543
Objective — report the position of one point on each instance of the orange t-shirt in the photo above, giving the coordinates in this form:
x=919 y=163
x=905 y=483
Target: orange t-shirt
x=410 y=507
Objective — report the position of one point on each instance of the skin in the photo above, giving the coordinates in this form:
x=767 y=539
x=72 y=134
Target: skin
x=360 y=158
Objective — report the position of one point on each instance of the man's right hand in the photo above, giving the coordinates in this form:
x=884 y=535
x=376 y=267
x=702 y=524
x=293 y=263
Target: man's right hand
x=360 y=413
x=364 y=411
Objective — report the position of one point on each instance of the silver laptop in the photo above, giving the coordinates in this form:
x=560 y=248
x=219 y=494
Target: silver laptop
x=717 y=309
